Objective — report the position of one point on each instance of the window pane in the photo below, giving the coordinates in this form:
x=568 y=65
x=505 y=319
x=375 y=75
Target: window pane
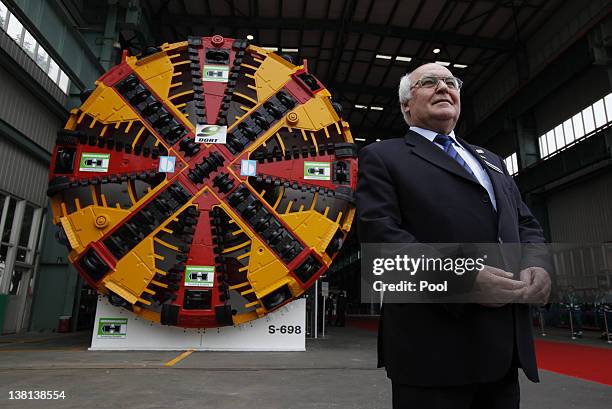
x=568 y=131
x=608 y=100
x=3 y=11
x=600 y=113
x=21 y=254
x=550 y=141
x=15 y=29
x=578 y=128
x=508 y=164
x=15 y=282
x=587 y=116
x=53 y=70
x=559 y=138
x=26 y=226
x=29 y=44
x=64 y=83
x=543 y=146
x=42 y=59
x=6 y=234
x=3 y=251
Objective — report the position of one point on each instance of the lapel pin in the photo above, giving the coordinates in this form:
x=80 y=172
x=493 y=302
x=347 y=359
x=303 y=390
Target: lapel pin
x=492 y=166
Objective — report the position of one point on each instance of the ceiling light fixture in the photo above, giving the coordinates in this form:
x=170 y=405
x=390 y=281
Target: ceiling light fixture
x=436 y=50
x=361 y=107
x=360 y=139
x=377 y=140
x=402 y=58
x=459 y=65
x=383 y=56
x=290 y=50
x=270 y=48
x=250 y=37
x=444 y=63
x=376 y=108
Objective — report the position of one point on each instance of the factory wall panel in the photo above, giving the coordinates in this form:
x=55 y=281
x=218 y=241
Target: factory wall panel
x=571 y=98
x=20 y=109
x=566 y=25
x=582 y=213
x=22 y=175
x=53 y=297
x=56 y=282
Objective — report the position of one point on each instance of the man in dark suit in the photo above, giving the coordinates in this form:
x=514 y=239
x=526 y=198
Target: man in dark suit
x=432 y=187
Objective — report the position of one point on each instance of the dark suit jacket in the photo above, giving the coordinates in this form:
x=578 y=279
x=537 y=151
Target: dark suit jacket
x=410 y=190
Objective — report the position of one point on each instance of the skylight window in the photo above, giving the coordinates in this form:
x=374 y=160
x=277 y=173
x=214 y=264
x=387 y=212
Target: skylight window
x=511 y=163
x=10 y=24
x=580 y=126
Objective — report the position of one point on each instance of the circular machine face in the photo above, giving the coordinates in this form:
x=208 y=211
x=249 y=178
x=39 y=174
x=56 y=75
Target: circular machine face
x=204 y=185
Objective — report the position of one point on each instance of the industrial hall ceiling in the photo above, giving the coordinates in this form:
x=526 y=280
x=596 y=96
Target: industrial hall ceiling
x=360 y=48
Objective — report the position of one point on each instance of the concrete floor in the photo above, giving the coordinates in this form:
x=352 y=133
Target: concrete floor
x=335 y=372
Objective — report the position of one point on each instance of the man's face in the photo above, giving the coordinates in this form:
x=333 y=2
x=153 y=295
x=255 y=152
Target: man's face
x=436 y=108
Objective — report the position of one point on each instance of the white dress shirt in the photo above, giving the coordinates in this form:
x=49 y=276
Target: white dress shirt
x=472 y=162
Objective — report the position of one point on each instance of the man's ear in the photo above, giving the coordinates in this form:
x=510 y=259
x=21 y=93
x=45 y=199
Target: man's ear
x=406 y=109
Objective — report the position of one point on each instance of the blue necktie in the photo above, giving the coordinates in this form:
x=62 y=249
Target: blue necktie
x=447 y=143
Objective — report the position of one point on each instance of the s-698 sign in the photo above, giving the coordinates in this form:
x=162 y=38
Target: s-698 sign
x=284 y=329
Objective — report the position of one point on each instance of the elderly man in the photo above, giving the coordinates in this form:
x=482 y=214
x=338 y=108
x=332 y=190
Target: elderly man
x=432 y=187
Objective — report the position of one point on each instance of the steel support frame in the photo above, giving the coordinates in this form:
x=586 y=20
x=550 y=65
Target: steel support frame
x=239 y=22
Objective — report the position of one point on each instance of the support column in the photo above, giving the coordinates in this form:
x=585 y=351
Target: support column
x=110 y=35
x=528 y=149
x=538 y=206
x=600 y=43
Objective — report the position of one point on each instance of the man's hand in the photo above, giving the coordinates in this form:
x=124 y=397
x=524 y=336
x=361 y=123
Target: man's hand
x=538 y=285
x=495 y=287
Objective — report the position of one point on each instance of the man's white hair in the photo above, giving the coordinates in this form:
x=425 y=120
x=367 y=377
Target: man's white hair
x=404 y=94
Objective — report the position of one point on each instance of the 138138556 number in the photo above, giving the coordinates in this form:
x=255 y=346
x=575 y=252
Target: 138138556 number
x=284 y=329
x=37 y=394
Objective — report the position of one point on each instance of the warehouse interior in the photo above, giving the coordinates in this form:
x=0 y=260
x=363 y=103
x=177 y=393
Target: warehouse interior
x=537 y=91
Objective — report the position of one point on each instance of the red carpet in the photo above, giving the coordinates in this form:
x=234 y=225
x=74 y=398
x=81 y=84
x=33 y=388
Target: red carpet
x=579 y=361
x=367 y=323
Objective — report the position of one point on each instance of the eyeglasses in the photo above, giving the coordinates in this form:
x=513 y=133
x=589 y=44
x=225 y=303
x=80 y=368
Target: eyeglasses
x=431 y=81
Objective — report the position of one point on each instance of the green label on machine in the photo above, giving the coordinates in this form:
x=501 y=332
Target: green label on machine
x=112 y=327
x=94 y=162
x=215 y=73
x=317 y=170
x=200 y=276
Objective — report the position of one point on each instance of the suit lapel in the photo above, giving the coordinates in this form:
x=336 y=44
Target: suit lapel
x=495 y=177
x=428 y=151
x=496 y=180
